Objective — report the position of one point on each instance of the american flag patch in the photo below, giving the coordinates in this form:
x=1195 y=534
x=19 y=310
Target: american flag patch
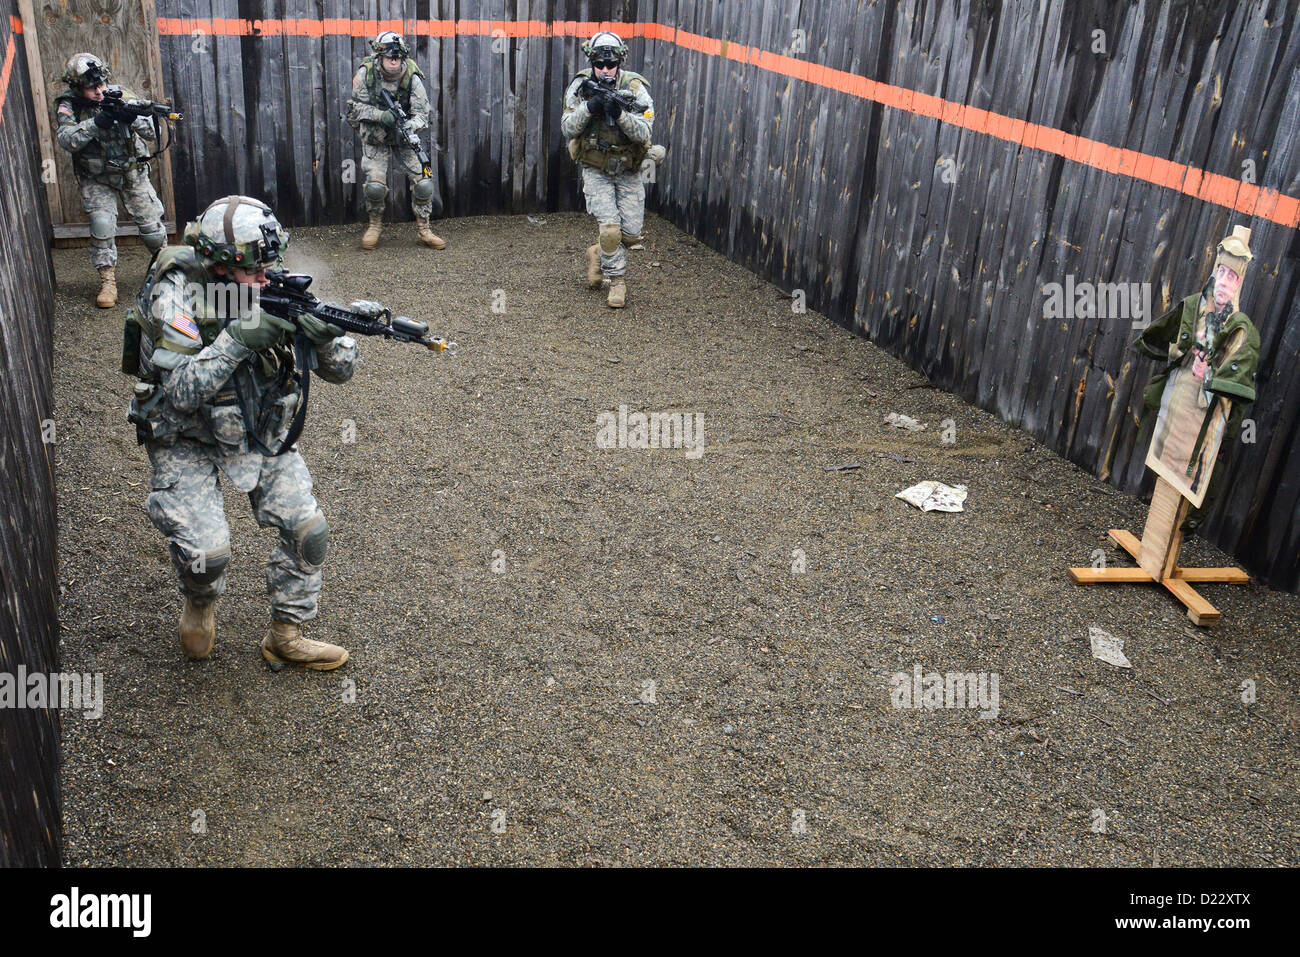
x=65 y=109
x=183 y=323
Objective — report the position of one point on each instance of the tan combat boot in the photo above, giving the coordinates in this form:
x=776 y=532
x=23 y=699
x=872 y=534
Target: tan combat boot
x=425 y=235
x=370 y=239
x=197 y=628
x=284 y=643
x=617 y=293
x=107 y=297
x=594 y=275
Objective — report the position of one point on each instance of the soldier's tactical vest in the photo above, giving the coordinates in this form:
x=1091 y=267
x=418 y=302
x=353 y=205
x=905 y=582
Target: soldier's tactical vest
x=604 y=146
x=112 y=152
x=220 y=417
x=375 y=81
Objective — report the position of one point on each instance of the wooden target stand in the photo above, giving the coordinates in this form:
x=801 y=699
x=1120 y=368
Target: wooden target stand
x=1157 y=557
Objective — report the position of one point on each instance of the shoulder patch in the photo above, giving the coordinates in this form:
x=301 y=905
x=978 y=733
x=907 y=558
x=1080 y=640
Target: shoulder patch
x=65 y=109
x=183 y=323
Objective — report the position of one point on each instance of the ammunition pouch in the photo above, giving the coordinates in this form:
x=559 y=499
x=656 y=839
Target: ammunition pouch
x=592 y=150
x=223 y=417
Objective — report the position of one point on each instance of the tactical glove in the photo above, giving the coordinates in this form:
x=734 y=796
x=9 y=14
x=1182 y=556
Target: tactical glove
x=613 y=108
x=596 y=107
x=388 y=119
x=260 y=331
x=319 y=332
x=105 y=120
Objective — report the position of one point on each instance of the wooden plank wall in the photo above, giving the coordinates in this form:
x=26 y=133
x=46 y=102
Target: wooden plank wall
x=30 y=823
x=265 y=112
x=848 y=199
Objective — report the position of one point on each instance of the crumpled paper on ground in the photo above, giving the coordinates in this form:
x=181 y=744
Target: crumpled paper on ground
x=1106 y=647
x=934 y=497
x=900 y=421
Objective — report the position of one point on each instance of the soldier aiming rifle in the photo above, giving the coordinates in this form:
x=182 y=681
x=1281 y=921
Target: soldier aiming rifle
x=106 y=133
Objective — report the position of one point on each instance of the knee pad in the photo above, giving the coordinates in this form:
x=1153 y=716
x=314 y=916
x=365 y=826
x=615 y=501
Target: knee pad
x=154 y=241
x=310 y=537
x=103 y=226
x=611 y=234
x=376 y=192
x=202 y=568
x=422 y=191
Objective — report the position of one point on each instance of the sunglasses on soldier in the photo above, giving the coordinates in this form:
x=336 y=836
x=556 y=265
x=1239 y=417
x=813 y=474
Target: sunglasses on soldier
x=606 y=64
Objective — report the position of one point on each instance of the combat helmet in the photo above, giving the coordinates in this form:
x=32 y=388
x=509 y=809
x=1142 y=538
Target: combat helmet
x=605 y=45
x=86 y=69
x=389 y=43
x=238 y=231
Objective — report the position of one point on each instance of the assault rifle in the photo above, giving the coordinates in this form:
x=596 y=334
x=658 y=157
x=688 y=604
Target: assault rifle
x=117 y=106
x=407 y=137
x=126 y=111
x=286 y=297
x=604 y=94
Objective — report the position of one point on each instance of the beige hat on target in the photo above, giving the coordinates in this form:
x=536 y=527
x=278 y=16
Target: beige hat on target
x=1234 y=251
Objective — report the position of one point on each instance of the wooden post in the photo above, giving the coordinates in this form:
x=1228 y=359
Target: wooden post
x=41 y=104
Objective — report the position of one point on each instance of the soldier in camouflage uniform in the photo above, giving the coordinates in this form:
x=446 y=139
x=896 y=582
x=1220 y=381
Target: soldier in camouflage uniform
x=391 y=68
x=610 y=142
x=204 y=352
x=111 y=160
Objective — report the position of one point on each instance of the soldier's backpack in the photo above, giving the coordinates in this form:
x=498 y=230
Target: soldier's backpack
x=141 y=323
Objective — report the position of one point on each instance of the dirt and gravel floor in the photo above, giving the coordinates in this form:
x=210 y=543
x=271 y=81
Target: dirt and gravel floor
x=509 y=718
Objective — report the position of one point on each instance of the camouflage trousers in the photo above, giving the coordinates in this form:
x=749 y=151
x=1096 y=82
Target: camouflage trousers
x=615 y=200
x=99 y=200
x=374 y=165
x=186 y=505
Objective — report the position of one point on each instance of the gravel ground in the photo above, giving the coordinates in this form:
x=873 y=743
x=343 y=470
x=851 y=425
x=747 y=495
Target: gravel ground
x=502 y=718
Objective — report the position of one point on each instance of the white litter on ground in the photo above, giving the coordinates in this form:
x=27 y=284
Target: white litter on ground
x=934 y=497
x=899 y=421
x=1106 y=647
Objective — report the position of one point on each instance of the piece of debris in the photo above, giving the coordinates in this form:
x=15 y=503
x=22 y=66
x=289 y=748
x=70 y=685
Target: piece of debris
x=934 y=497
x=842 y=468
x=900 y=421
x=1106 y=647
x=537 y=220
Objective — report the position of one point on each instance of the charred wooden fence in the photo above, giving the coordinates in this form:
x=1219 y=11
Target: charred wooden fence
x=995 y=148
x=30 y=826
x=922 y=169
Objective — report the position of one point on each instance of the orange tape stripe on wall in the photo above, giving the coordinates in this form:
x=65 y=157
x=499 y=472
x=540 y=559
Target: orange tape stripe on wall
x=6 y=71
x=1210 y=187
